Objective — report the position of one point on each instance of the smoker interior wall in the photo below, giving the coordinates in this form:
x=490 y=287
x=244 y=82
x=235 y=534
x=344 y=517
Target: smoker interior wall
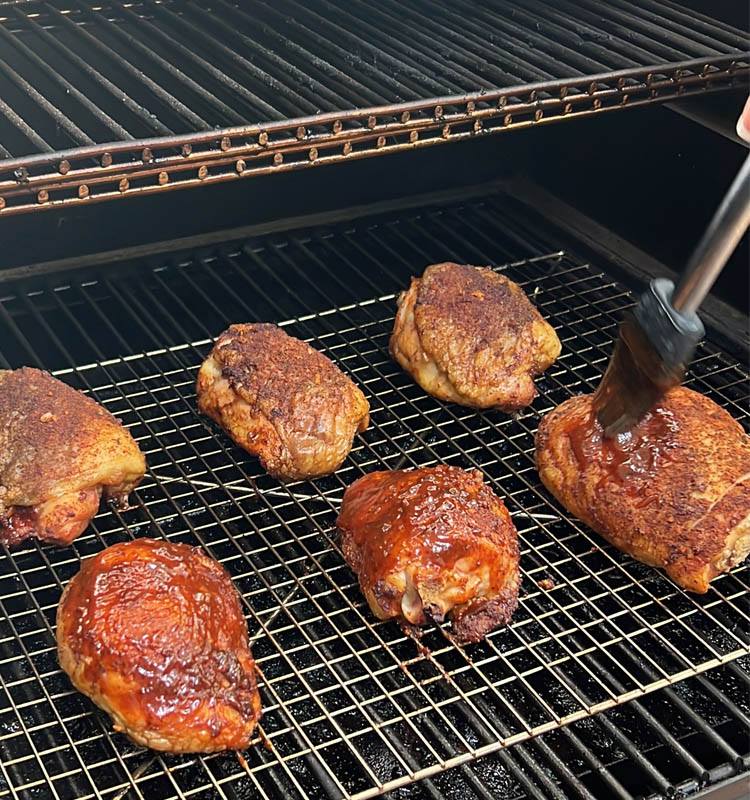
x=737 y=14
x=648 y=174
x=655 y=178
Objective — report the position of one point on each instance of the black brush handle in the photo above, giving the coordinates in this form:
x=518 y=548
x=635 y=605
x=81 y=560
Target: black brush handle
x=724 y=232
x=672 y=335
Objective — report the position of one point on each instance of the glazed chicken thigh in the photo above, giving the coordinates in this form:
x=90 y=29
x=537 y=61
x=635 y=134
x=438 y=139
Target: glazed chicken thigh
x=469 y=335
x=430 y=542
x=281 y=400
x=153 y=633
x=59 y=452
x=674 y=492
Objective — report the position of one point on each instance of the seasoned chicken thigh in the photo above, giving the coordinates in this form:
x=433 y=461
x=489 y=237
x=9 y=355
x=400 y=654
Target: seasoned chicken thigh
x=469 y=335
x=674 y=492
x=59 y=452
x=281 y=400
x=430 y=542
x=153 y=633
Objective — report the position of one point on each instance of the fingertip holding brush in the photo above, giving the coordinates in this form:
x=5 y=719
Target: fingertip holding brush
x=658 y=337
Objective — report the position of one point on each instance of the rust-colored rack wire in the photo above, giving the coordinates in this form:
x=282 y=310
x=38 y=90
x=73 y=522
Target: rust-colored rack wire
x=628 y=684
x=105 y=101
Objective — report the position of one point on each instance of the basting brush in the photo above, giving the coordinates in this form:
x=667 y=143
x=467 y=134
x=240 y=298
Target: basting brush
x=658 y=337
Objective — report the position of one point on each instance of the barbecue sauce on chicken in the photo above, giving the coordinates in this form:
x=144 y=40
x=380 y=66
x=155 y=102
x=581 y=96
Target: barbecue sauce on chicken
x=629 y=459
x=673 y=493
x=158 y=637
x=420 y=507
x=18 y=525
x=430 y=542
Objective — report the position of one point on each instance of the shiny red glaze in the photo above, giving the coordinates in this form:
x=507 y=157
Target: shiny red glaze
x=440 y=515
x=628 y=459
x=18 y=525
x=154 y=633
x=442 y=526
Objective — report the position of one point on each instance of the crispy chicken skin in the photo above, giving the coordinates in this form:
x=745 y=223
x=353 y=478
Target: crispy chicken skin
x=429 y=542
x=673 y=493
x=469 y=335
x=281 y=400
x=153 y=633
x=59 y=451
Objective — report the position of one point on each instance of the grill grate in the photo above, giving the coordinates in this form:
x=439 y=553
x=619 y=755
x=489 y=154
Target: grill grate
x=352 y=706
x=105 y=100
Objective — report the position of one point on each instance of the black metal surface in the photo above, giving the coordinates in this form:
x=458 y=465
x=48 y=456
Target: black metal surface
x=352 y=707
x=173 y=86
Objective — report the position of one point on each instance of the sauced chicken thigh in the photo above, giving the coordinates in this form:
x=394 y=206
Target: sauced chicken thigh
x=281 y=400
x=153 y=633
x=469 y=335
x=674 y=492
x=430 y=542
x=59 y=452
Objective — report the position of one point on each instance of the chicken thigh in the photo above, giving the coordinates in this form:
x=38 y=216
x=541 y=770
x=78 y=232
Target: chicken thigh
x=153 y=633
x=59 y=452
x=430 y=542
x=469 y=335
x=674 y=492
x=281 y=400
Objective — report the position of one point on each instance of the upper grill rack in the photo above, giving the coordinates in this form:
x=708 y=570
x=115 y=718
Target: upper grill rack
x=130 y=98
x=352 y=707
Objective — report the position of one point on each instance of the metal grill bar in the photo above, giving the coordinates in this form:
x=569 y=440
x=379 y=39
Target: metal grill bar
x=410 y=45
x=324 y=34
x=20 y=124
x=314 y=64
x=254 y=102
x=114 y=128
x=533 y=62
x=94 y=75
x=166 y=68
x=682 y=20
x=304 y=95
x=352 y=707
x=78 y=136
x=235 y=91
x=646 y=35
x=121 y=63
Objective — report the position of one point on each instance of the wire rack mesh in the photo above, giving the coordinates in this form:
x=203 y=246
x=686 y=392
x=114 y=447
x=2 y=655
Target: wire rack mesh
x=352 y=706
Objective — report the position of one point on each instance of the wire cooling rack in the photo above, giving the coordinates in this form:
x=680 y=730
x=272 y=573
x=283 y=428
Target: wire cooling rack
x=352 y=706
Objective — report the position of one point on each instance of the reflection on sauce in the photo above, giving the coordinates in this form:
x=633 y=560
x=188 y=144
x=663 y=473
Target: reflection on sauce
x=157 y=629
x=440 y=515
x=18 y=525
x=628 y=459
x=432 y=542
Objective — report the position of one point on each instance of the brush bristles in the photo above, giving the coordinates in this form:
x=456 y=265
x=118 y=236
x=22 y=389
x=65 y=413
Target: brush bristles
x=634 y=381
